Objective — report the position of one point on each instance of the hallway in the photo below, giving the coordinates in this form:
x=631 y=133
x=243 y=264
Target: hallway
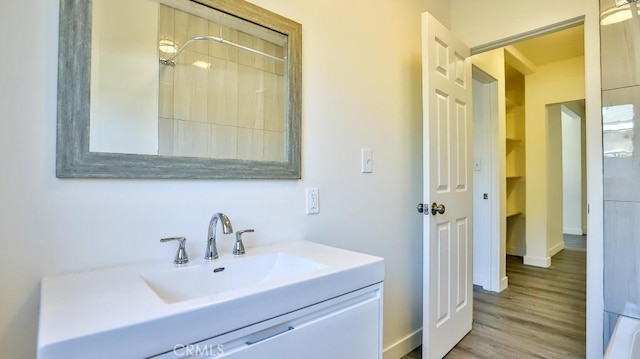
x=541 y=315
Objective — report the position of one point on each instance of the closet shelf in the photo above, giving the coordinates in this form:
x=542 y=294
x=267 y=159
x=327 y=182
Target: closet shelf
x=513 y=212
x=511 y=103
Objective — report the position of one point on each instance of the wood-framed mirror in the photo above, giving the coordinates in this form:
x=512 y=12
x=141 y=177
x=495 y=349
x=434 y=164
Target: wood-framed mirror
x=206 y=89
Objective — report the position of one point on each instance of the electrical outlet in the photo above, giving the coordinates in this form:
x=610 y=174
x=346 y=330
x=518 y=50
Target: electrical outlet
x=313 y=201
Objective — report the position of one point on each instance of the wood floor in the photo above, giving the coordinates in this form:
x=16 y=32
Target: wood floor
x=575 y=243
x=541 y=315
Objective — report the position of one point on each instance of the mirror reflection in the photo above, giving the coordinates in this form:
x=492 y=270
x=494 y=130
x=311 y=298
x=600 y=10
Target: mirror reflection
x=175 y=78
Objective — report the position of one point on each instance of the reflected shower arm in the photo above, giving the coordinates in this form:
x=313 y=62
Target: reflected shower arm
x=170 y=61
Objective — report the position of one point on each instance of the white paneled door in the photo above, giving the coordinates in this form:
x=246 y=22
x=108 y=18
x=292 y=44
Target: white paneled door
x=448 y=207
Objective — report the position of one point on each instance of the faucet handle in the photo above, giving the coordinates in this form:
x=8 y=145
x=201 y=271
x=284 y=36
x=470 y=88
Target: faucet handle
x=181 y=255
x=238 y=247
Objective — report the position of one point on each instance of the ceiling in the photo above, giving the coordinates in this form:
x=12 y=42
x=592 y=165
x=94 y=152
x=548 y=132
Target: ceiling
x=553 y=47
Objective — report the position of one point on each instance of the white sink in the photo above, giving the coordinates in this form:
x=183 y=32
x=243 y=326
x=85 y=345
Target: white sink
x=148 y=308
x=185 y=283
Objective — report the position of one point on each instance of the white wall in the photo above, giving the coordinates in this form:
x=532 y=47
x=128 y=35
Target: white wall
x=554 y=190
x=505 y=18
x=126 y=44
x=361 y=88
x=571 y=172
x=554 y=83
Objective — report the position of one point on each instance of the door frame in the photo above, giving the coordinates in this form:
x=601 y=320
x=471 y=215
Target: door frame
x=573 y=110
x=493 y=279
x=594 y=166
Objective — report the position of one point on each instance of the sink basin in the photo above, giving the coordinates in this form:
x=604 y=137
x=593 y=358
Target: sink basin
x=186 y=283
x=150 y=307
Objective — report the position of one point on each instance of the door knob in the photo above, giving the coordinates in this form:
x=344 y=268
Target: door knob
x=437 y=208
x=421 y=208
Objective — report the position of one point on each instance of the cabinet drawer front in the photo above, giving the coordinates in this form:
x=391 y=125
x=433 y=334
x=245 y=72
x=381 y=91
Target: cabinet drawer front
x=349 y=326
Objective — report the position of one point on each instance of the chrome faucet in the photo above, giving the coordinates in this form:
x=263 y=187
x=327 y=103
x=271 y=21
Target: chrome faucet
x=212 y=249
x=181 y=255
x=238 y=248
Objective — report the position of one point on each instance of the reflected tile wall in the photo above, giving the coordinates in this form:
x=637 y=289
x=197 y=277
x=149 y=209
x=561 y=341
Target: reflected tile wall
x=166 y=30
x=190 y=87
x=223 y=142
x=620 y=46
x=274 y=102
x=190 y=139
x=250 y=144
x=250 y=97
x=620 y=51
x=246 y=58
x=165 y=136
x=219 y=50
x=223 y=93
x=165 y=95
x=621 y=144
x=621 y=253
x=273 y=149
x=218 y=101
x=188 y=26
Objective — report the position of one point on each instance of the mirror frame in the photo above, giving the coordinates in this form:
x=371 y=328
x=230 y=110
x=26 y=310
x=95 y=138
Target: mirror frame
x=74 y=83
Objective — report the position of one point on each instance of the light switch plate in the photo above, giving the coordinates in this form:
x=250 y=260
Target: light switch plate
x=477 y=165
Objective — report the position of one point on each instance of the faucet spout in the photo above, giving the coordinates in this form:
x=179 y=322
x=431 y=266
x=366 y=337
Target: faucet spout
x=212 y=249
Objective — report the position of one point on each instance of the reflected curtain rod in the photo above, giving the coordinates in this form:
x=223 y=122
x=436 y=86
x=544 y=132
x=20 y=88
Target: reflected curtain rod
x=170 y=61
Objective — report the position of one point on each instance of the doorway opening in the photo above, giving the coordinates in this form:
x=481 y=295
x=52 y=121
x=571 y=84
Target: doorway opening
x=515 y=143
x=574 y=175
x=525 y=135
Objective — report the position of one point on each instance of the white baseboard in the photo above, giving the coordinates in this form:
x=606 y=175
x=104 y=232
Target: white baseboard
x=403 y=346
x=573 y=231
x=555 y=249
x=544 y=262
x=498 y=287
x=504 y=283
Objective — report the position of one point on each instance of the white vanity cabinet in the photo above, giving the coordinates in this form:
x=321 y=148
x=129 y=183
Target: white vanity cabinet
x=348 y=326
x=292 y=299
